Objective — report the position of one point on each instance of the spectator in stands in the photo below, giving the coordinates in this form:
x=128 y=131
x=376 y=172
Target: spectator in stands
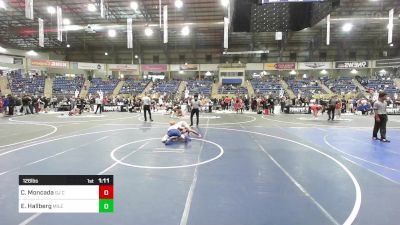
x=381 y=118
x=11 y=105
x=25 y=105
x=1 y=104
x=338 y=108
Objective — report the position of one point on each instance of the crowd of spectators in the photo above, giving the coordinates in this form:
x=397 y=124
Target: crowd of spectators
x=268 y=86
x=63 y=86
x=227 y=89
x=341 y=85
x=202 y=87
x=134 y=87
x=106 y=86
x=305 y=87
x=22 y=84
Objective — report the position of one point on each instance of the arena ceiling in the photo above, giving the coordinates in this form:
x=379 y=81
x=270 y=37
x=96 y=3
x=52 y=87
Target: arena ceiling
x=204 y=17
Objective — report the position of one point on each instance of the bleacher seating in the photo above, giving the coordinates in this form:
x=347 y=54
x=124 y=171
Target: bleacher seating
x=166 y=86
x=22 y=85
x=270 y=86
x=134 y=87
x=230 y=89
x=63 y=86
x=342 y=85
x=381 y=82
x=306 y=87
x=202 y=87
x=106 y=86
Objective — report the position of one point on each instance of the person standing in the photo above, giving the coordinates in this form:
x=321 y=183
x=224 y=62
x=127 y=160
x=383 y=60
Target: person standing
x=98 y=102
x=331 y=108
x=381 y=118
x=146 y=107
x=195 y=105
x=11 y=105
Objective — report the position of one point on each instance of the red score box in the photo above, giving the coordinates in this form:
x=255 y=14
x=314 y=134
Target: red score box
x=106 y=192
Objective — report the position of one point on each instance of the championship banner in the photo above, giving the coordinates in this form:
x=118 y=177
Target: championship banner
x=49 y=63
x=155 y=67
x=165 y=24
x=41 y=33
x=29 y=9
x=91 y=66
x=122 y=67
x=226 y=32
x=279 y=66
x=129 y=32
x=59 y=23
x=314 y=65
x=102 y=14
x=390 y=26
x=328 y=29
x=351 y=64
x=387 y=63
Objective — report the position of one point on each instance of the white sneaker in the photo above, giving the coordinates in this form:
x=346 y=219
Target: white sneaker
x=164 y=139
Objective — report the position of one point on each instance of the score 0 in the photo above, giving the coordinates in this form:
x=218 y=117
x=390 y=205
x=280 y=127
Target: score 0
x=106 y=198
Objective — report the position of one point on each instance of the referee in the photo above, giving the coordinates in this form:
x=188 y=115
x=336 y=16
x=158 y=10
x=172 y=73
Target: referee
x=381 y=117
x=146 y=107
x=195 y=105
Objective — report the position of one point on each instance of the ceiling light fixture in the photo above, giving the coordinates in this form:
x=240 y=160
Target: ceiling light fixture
x=134 y=6
x=347 y=27
x=136 y=56
x=68 y=45
x=293 y=72
x=92 y=8
x=31 y=53
x=66 y=21
x=3 y=50
x=324 y=72
x=148 y=31
x=105 y=53
x=391 y=45
x=112 y=33
x=185 y=31
x=225 y=3
x=2 y=4
x=51 y=10
x=354 y=71
x=178 y=4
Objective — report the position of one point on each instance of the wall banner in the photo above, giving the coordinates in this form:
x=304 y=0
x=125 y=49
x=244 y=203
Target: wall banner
x=314 y=65
x=351 y=64
x=280 y=66
x=155 y=67
x=91 y=66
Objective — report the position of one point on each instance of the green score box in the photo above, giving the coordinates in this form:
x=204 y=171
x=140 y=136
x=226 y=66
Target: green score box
x=106 y=205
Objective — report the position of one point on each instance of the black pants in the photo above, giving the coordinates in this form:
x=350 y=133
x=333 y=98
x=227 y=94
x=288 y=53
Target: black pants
x=99 y=107
x=197 y=112
x=146 y=108
x=381 y=125
x=331 y=112
x=10 y=110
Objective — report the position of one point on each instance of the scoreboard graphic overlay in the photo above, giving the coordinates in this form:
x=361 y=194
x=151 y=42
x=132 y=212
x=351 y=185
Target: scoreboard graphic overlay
x=66 y=194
